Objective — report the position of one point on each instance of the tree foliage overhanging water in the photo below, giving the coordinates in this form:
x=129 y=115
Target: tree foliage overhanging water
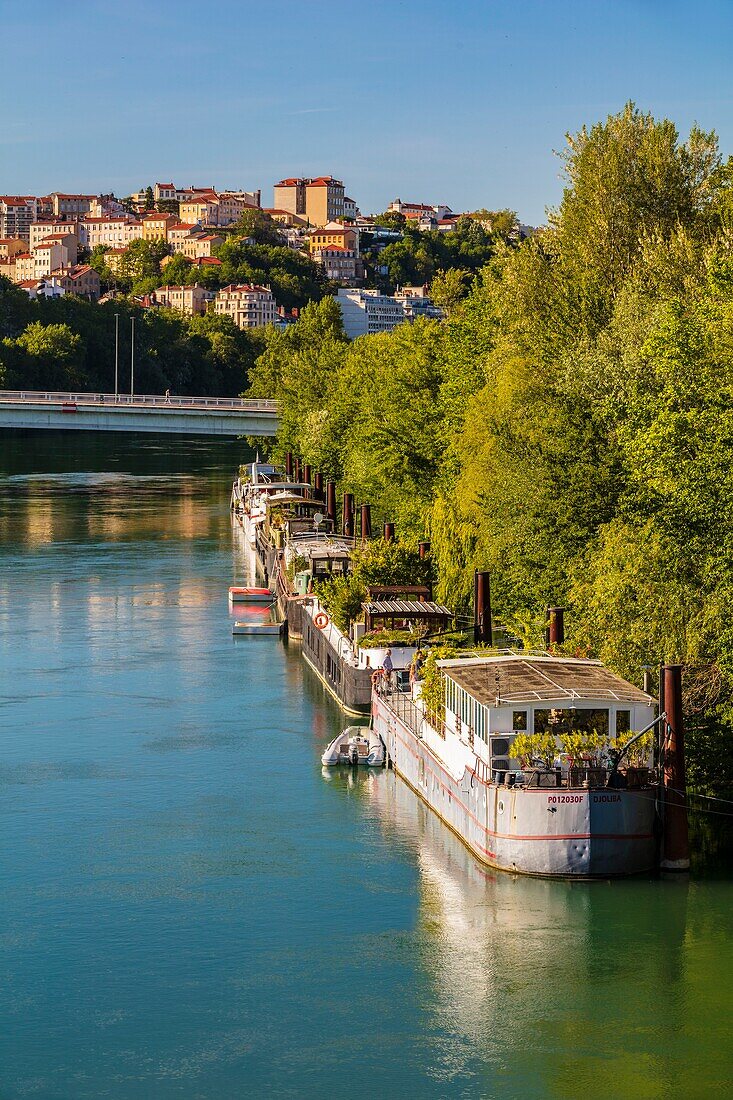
x=569 y=427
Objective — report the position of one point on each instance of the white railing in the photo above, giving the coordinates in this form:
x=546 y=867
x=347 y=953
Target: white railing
x=47 y=397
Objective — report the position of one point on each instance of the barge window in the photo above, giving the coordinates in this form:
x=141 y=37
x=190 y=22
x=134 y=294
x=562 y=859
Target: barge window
x=519 y=721
x=571 y=719
x=623 y=722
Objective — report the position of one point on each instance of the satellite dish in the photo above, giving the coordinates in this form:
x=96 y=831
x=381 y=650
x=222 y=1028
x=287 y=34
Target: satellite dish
x=318 y=518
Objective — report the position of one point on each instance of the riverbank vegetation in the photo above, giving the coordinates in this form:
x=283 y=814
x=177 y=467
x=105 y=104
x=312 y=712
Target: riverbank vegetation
x=570 y=425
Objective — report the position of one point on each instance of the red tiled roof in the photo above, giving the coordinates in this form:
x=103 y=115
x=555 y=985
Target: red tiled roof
x=75 y=272
x=168 y=185
x=211 y=261
x=291 y=181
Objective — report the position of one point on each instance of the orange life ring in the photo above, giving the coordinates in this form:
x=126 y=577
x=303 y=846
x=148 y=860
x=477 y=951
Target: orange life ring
x=321 y=620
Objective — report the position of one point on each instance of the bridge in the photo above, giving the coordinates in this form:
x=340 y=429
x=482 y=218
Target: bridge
x=104 y=412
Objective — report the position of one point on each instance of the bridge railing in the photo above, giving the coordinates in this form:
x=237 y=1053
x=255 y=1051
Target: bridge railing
x=36 y=397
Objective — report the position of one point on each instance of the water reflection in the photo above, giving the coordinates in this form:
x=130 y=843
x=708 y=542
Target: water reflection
x=553 y=987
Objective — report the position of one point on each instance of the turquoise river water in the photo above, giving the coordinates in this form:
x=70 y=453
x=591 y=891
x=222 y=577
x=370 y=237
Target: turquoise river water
x=191 y=908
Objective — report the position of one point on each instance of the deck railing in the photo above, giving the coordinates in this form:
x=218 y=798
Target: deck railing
x=403 y=706
x=158 y=401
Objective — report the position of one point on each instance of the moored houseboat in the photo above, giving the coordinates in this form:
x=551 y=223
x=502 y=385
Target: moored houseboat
x=561 y=819
x=349 y=665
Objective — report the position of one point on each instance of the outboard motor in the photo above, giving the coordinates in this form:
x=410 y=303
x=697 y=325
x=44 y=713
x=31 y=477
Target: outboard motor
x=354 y=755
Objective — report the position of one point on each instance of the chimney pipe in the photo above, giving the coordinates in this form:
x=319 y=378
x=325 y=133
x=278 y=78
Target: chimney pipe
x=318 y=485
x=675 y=841
x=289 y=464
x=423 y=550
x=347 y=515
x=331 y=502
x=556 y=621
x=388 y=532
x=307 y=473
x=482 y=632
x=366 y=522
x=297 y=469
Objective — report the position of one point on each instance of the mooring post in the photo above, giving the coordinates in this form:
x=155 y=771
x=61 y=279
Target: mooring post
x=482 y=632
x=331 y=502
x=556 y=625
x=366 y=522
x=347 y=515
x=675 y=839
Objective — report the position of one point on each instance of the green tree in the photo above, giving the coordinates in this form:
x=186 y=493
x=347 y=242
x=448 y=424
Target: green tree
x=258 y=225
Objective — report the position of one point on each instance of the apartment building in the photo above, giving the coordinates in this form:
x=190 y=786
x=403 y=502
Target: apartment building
x=201 y=245
x=190 y=241
x=75 y=206
x=51 y=227
x=190 y=300
x=340 y=264
x=110 y=232
x=416 y=302
x=319 y=199
x=24 y=268
x=248 y=306
x=17 y=213
x=419 y=209
x=79 y=279
x=286 y=218
x=213 y=208
x=54 y=252
x=168 y=192
x=11 y=246
x=200 y=209
x=48 y=255
x=334 y=235
x=366 y=312
x=155 y=226
x=165 y=192
x=179 y=233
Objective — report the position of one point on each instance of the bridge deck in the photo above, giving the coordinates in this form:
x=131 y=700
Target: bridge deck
x=137 y=412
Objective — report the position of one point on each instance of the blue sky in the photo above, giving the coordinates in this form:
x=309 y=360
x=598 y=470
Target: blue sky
x=458 y=102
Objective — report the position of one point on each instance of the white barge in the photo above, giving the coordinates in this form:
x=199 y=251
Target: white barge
x=564 y=820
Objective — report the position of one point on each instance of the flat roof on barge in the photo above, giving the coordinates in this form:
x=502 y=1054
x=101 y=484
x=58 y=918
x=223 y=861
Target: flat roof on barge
x=495 y=681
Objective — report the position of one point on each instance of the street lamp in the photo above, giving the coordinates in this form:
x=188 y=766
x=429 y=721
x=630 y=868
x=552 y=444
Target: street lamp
x=132 y=356
x=117 y=351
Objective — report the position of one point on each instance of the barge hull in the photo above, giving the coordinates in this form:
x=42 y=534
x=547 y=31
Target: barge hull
x=573 y=833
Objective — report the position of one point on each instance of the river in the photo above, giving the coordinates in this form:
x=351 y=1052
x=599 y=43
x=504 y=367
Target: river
x=191 y=908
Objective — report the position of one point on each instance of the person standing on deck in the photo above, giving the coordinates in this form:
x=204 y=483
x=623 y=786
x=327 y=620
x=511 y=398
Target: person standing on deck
x=388 y=667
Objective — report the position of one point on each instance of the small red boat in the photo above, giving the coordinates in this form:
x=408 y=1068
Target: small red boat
x=246 y=594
